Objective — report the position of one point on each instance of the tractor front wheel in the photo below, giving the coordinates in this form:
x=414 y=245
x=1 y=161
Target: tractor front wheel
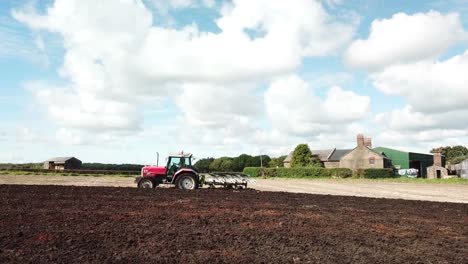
x=145 y=184
x=187 y=182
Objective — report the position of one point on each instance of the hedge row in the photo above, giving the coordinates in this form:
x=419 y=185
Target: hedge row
x=312 y=172
x=253 y=171
x=376 y=174
x=318 y=172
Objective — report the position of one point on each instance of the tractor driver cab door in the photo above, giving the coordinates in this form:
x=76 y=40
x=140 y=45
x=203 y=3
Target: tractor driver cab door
x=173 y=165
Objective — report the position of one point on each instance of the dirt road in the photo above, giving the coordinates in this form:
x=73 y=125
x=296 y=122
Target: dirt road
x=457 y=193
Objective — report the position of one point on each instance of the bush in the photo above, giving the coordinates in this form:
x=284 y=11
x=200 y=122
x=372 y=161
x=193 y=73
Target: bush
x=305 y=172
x=378 y=174
x=359 y=173
x=312 y=172
x=340 y=173
x=253 y=171
x=317 y=172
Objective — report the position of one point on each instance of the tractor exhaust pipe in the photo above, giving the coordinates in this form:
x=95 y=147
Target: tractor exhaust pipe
x=157 y=161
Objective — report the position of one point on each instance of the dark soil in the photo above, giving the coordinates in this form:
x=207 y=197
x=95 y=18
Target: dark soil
x=54 y=224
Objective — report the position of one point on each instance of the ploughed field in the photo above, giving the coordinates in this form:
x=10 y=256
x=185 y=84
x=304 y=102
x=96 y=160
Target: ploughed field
x=58 y=224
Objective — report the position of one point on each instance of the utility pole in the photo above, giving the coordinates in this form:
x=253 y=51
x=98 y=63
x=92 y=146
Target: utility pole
x=261 y=160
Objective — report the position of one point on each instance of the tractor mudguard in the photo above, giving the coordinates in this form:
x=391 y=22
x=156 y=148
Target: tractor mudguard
x=184 y=170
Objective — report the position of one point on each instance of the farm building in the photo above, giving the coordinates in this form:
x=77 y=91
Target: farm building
x=322 y=154
x=62 y=163
x=361 y=157
x=462 y=169
x=329 y=157
x=436 y=171
x=403 y=160
x=334 y=158
x=364 y=157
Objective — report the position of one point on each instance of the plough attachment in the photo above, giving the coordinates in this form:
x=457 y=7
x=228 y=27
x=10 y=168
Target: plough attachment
x=227 y=180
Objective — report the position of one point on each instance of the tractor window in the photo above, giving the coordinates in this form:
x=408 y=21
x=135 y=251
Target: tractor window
x=175 y=161
x=173 y=166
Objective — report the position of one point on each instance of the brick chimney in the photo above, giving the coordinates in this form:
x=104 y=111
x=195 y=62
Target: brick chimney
x=360 y=140
x=368 y=142
x=438 y=159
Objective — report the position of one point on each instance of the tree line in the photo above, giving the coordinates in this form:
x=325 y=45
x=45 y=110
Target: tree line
x=237 y=164
x=452 y=154
x=116 y=167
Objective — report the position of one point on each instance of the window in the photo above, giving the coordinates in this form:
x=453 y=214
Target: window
x=372 y=160
x=175 y=161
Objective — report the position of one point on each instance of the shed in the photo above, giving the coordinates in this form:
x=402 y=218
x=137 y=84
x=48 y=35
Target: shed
x=462 y=169
x=62 y=163
x=403 y=160
x=436 y=171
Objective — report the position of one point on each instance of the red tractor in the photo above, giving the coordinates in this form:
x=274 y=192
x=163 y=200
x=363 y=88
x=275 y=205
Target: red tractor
x=180 y=172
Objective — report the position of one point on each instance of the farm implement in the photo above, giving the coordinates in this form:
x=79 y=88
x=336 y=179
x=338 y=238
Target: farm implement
x=179 y=172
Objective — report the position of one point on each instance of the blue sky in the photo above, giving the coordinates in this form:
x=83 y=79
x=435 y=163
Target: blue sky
x=119 y=80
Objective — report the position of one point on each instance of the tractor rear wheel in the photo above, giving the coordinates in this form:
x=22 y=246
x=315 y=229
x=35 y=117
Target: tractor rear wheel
x=145 y=184
x=187 y=181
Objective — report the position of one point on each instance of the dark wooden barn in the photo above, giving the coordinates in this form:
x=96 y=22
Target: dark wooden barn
x=62 y=163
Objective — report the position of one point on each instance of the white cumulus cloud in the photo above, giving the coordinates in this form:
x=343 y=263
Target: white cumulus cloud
x=404 y=57
x=85 y=110
x=436 y=93
x=406 y=38
x=115 y=56
x=294 y=108
x=429 y=86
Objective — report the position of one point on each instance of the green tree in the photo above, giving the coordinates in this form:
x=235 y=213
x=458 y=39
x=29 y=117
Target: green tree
x=203 y=165
x=277 y=162
x=227 y=165
x=239 y=163
x=281 y=160
x=459 y=159
x=257 y=162
x=273 y=163
x=315 y=161
x=451 y=153
x=223 y=164
x=302 y=156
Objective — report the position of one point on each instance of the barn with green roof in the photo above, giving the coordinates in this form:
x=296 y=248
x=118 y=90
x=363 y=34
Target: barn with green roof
x=408 y=160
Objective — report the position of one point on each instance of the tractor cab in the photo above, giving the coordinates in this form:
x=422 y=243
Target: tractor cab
x=177 y=162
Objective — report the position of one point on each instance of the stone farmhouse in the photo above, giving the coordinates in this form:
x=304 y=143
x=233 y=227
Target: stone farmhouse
x=363 y=156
